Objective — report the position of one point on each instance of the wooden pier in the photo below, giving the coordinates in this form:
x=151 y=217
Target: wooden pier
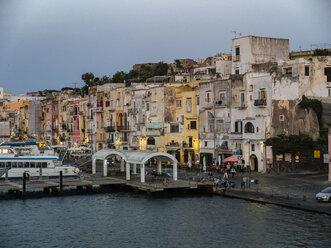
x=90 y=182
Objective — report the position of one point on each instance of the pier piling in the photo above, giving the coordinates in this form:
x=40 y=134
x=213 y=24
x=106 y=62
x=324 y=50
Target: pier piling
x=61 y=181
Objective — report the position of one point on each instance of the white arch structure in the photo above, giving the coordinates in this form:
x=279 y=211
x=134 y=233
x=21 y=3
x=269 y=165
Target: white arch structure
x=133 y=158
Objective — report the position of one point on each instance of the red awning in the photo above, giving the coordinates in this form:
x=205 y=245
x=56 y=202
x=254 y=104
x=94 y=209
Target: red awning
x=231 y=159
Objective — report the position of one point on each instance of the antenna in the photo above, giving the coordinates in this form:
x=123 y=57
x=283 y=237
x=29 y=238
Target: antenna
x=235 y=33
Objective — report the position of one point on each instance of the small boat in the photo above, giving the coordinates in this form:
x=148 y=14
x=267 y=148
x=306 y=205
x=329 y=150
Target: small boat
x=13 y=165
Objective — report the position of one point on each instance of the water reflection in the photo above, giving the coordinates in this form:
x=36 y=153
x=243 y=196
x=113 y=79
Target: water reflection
x=128 y=220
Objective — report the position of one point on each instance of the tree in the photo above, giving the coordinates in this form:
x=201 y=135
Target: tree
x=105 y=80
x=119 y=77
x=161 y=69
x=88 y=78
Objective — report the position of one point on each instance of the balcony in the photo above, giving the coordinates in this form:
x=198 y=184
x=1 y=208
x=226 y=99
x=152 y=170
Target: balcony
x=99 y=109
x=260 y=102
x=187 y=146
x=133 y=111
x=220 y=104
x=235 y=136
x=123 y=128
x=109 y=129
x=154 y=132
x=110 y=141
x=236 y=58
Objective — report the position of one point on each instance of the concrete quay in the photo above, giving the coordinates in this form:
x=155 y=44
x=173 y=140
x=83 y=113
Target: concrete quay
x=92 y=183
x=288 y=190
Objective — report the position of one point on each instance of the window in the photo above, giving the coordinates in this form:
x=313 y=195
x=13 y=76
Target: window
x=147 y=106
x=44 y=165
x=211 y=122
x=327 y=73
x=206 y=143
x=249 y=127
x=237 y=71
x=26 y=165
x=190 y=140
x=237 y=51
x=253 y=147
x=222 y=98
x=151 y=141
x=219 y=126
x=193 y=125
x=154 y=107
x=198 y=100
x=281 y=117
x=242 y=99
x=188 y=104
x=306 y=70
x=287 y=71
x=262 y=94
x=178 y=103
x=174 y=128
x=238 y=126
x=207 y=98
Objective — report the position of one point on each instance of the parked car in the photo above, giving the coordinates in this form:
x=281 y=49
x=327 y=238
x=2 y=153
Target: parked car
x=324 y=195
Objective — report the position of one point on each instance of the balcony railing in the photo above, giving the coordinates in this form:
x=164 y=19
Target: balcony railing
x=220 y=103
x=235 y=135
x=109 y=129
x=133 y=111
x=99 y=109
x=151 y=132
x=260 y=102
x=123 y=128
x=236 y=58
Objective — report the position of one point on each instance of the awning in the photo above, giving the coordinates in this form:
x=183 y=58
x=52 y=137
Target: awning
x=232 y=159
x=154 y=125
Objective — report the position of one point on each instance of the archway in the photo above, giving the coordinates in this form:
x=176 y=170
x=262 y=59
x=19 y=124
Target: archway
x=249 y=127
x=132 y=159
x=253 y=162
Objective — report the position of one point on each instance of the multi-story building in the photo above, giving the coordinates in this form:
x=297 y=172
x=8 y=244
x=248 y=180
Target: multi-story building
x=252 y=50
x=182 y=135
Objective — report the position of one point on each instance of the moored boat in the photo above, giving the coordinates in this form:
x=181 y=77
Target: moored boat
x=13 y=165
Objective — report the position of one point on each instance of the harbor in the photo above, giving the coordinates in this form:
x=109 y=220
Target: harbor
x=90 y=182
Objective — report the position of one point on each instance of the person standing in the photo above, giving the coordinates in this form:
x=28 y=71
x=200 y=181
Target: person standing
x=233 y=171
x=225 y=176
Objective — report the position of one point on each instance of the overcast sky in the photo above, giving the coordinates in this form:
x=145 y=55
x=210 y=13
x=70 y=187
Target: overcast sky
x=49 y=44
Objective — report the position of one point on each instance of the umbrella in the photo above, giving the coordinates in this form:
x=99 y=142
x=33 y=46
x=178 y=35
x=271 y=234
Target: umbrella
x=231 y=159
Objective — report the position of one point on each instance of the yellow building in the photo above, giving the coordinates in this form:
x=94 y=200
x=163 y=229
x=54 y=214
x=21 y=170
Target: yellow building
x=182 y=136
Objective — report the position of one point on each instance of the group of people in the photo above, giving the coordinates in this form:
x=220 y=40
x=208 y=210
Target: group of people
x=232 y=172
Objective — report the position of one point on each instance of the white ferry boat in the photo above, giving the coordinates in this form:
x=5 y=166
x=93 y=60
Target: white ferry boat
x=13 y=165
